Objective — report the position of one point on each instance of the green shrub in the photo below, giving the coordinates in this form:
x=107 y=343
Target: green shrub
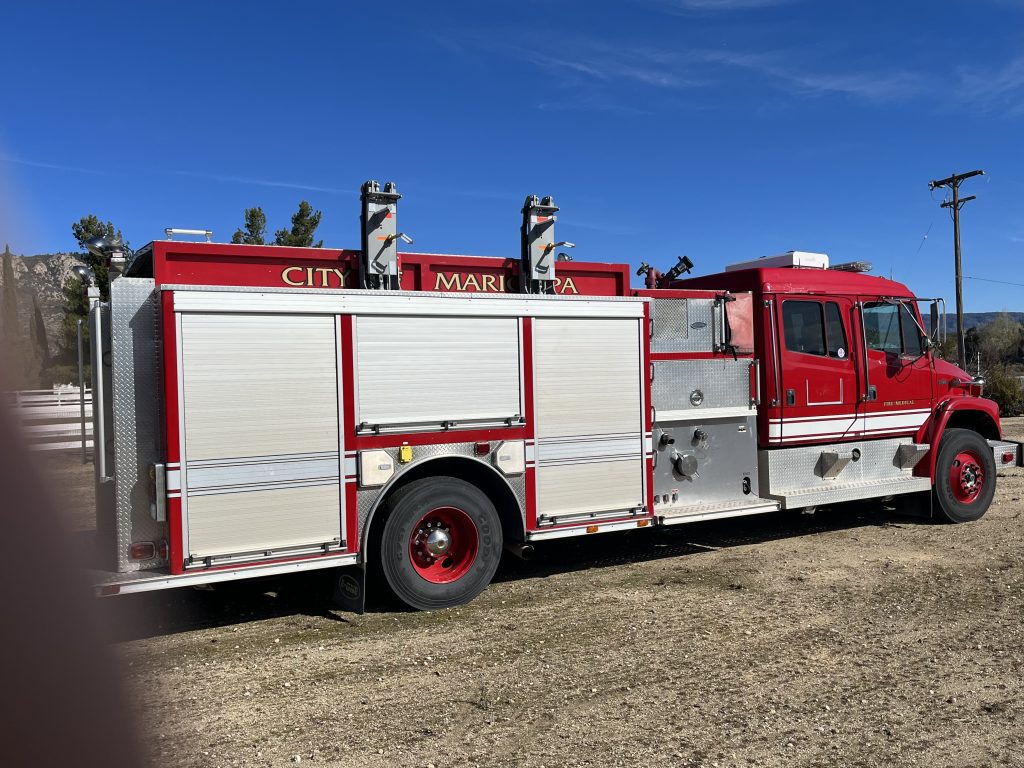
x=1004 y=386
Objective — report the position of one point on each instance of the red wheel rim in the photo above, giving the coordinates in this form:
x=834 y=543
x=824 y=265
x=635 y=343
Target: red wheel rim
x=443 y=545
x=966 y=477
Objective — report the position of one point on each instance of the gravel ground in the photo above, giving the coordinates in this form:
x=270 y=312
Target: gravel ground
x=854 y=636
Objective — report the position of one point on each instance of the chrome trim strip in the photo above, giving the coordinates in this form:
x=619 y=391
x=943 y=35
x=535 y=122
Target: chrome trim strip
x=194 y=298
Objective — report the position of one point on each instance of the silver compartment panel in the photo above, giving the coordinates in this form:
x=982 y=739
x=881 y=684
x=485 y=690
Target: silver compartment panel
x=723 y=460
x=685 y=325
x=793 y=476
x=137 y=375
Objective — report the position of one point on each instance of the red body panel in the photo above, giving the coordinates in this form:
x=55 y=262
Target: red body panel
x=175 y=543
x=931 y=430
x=184 y=263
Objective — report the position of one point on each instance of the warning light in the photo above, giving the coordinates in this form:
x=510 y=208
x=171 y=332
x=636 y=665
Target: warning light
x=592 y=529
x=642 y=523
x=142 y=550
x=481 y=449
x=1008 y=457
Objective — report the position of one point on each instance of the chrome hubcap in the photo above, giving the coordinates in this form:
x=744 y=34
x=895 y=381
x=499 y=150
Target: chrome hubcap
x=438 y=542
x=433 y=541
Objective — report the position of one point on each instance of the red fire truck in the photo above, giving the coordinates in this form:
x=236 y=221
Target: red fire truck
x=407 y=416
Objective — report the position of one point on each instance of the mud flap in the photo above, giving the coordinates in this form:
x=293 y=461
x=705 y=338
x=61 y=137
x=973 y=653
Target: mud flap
x=914 y=504
x=350 y=589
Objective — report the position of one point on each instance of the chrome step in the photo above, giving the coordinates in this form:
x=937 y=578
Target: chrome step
x=833 y=493
x=677 y=514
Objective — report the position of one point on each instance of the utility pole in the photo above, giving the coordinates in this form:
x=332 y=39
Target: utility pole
x=953 y=183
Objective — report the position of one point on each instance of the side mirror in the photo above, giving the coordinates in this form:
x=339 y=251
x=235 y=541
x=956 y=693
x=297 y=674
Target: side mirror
x=934 y=318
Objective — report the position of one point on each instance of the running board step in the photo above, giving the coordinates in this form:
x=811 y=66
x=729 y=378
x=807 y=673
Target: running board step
x=839 y=492
x=733 y=508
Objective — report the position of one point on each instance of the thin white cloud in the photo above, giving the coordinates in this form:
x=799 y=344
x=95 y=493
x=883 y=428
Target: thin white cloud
x=725 y=6
x=1001 y=88
x=597 y=63
x=53 y=166
x=872 y=86
x=602 y=63
x=261 y=182
x=190 y=174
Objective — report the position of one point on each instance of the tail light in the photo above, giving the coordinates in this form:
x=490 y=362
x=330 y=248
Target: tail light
x=1009 y=457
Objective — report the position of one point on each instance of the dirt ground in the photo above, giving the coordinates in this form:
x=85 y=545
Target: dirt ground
x=850 y=637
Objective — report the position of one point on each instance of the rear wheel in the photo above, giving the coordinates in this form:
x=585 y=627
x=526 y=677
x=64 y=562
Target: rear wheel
x=441 y=543
x=965 y=476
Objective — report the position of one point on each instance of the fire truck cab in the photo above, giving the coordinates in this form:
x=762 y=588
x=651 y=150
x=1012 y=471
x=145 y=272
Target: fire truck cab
x=855 y=391
x=407 y=417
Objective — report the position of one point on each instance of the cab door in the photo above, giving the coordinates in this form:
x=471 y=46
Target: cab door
x=819 y=395
x=898 y=376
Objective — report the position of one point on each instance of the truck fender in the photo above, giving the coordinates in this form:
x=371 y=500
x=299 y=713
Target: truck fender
x=977 y=413
x=470 y=469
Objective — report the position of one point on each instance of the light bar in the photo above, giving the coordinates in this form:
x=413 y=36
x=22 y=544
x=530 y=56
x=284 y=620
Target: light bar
x=171 y=232
x=853 y=266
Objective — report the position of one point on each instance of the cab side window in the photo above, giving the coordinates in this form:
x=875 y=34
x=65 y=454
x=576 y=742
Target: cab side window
x=803 y=327
x=814 y=328
x=911 y=333
x=882 y=327
x=836 y=333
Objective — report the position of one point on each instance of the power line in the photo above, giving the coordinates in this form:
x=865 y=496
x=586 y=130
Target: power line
x=990 y=280
x=923 y=239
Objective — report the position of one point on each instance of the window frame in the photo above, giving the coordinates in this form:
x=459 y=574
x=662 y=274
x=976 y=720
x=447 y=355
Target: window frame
x=904 y=314
x=822 y=304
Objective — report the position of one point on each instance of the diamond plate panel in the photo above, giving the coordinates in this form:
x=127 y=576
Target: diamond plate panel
x=366 y=498
x=684 y=325
x=136 y=374
x=724 y=383
x=787 y=471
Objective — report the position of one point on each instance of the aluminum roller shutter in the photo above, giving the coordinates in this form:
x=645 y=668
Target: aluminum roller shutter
x=427 y=370
x=588 y=377
x=259 y=385
x=261 y=432
x=589 y=414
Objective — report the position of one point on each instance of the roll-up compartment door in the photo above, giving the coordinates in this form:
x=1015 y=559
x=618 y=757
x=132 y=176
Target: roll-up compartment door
x=426 y=371
x=259 y=410
x=589 y=414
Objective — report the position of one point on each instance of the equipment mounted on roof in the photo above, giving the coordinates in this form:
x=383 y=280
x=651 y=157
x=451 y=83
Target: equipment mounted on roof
x=803 y=259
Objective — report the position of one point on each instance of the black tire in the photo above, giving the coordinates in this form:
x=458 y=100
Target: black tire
x=405 y=509
x=956 y=505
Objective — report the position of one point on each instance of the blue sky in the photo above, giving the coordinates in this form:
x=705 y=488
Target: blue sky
x=722 y=129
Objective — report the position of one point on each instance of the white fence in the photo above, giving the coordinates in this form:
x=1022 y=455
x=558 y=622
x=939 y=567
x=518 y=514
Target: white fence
x=51 y=420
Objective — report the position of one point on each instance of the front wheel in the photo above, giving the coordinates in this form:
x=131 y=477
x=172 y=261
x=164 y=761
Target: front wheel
x=965 y=476
x=441 y=543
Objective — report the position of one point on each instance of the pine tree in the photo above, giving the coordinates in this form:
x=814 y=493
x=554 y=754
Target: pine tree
x=39 y=346
x=255 y=228
x=9 y=308
x=12 y=343
x=76 y=305
x=304 y=224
